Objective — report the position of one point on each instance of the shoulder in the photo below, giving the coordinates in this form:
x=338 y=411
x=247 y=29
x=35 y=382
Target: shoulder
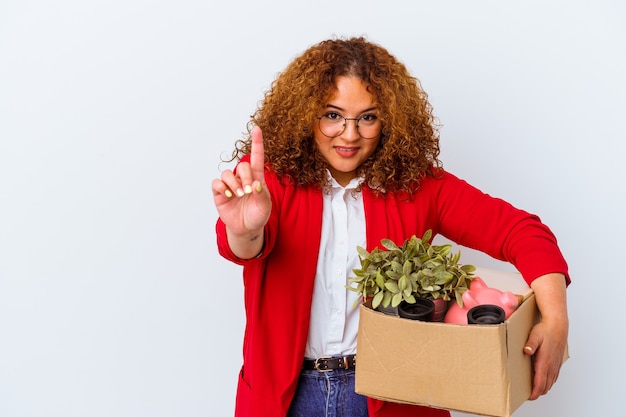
x=438 y=178
x=438 y=175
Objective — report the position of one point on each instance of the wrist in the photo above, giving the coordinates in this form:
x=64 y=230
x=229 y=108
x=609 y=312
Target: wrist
x=246 y=245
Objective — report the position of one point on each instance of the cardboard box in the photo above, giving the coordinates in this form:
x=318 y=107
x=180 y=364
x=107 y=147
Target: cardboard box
x=478 y=369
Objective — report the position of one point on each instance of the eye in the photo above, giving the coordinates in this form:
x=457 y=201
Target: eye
x=369 y=119
x=333 y=116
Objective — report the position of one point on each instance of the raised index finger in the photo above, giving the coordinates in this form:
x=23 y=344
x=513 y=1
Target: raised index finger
x=257 y=155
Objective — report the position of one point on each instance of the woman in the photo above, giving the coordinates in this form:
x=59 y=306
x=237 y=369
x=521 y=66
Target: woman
x=343 y=152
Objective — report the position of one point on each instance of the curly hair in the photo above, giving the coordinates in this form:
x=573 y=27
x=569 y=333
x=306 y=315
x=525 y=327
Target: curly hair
x=409 y=145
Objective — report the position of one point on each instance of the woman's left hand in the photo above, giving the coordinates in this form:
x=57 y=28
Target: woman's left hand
x=547 y=341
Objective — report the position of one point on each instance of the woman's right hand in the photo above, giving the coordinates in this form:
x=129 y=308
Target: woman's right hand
x=243 y=201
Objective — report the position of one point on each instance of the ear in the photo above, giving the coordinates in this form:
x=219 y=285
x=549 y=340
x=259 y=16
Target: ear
x=509 y=298
x=469 y=300
x=477 y=283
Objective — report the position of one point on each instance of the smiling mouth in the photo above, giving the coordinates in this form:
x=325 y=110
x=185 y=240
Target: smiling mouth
x=346 y=152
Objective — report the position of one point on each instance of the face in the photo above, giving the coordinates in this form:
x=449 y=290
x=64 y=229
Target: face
x=347 y=151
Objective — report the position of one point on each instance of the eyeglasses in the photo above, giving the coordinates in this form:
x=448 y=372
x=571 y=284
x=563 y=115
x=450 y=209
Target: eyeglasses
x=333 y=124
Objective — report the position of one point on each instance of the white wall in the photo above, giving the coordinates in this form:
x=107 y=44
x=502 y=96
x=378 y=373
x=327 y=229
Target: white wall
x=113 y=116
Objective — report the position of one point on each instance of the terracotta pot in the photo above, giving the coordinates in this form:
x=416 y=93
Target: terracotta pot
x=441 y=306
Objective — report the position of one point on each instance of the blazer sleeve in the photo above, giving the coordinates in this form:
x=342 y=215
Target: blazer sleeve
x=479 y=221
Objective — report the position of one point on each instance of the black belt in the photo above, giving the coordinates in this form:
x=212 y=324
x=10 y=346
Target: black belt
x=330 y=364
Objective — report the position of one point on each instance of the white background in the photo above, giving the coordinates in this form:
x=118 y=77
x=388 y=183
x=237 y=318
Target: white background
x=113 y=118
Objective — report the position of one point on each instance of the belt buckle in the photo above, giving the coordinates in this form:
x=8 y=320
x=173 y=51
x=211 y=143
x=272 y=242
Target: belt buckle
x=317 y=364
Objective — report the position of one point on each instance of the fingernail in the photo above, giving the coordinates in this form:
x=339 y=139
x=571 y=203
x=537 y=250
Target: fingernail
x=240 y=192
x=528 y=348
x=248 y=189
x=258 y=187
x=228 y=193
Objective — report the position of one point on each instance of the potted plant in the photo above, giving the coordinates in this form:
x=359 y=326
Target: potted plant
x=417 y=269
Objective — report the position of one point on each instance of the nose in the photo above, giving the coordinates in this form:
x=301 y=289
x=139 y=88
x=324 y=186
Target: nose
x=351 y=130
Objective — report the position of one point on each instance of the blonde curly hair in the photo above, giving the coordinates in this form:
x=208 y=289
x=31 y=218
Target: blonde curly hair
x=409 y=145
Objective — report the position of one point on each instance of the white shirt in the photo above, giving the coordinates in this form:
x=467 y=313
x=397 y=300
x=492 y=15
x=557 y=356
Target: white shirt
x=334 y=321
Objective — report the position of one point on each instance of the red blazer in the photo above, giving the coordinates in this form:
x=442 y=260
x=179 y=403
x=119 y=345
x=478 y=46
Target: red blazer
x=278 y=285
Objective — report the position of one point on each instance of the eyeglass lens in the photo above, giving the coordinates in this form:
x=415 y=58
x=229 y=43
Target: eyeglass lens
x=333 y=125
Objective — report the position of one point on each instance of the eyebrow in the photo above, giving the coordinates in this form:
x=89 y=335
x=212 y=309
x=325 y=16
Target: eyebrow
x=343 y=110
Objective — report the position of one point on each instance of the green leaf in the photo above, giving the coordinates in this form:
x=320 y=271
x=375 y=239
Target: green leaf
x=443 y=277
x=407 y=293
x=362 y=252
x=358 y=272
x=386 y=299
x=402 y=283
x=392 y=286
x=468 y=268
x=388 y=244
x=397 y=299
x=377 y=299
x=443 y=250
x=407 y=267
x=456 y=258
x=380 y=280
x=458 y=295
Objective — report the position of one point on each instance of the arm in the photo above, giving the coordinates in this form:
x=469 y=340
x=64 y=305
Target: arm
x=548 y=339
x=243 y=202
x=477 y=220
x=491 y=225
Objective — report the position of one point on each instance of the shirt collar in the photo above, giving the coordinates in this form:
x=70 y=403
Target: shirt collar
x=353 y=184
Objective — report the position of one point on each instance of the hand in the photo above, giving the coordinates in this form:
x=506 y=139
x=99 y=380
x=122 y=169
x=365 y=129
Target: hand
x=548 y=346
x=547 y=340
x=243 y=201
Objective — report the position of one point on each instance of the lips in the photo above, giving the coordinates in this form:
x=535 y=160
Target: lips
x=346 y=152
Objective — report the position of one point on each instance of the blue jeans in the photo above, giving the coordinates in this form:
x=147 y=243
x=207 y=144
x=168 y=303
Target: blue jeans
x=327 y=394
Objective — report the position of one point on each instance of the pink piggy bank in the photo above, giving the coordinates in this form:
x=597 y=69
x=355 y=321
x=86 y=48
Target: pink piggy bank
x=477 y=294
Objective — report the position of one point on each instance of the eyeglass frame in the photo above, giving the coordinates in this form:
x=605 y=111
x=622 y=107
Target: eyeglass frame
x=345 y=124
